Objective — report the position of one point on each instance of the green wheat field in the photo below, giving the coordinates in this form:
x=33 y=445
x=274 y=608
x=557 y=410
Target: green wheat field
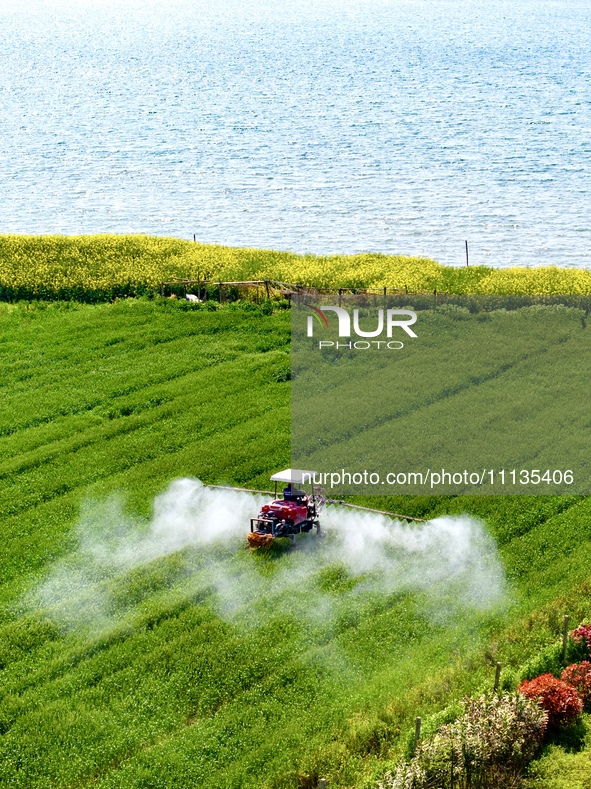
x=133 y=656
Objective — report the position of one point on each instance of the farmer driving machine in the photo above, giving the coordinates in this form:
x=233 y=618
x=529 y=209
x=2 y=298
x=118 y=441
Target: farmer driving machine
x=293 y=514
x=298 y=510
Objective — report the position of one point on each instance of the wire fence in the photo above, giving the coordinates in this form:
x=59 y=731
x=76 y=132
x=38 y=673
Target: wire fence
x=202 y=290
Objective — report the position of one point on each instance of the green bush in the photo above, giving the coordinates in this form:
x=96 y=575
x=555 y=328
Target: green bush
x=488 y=746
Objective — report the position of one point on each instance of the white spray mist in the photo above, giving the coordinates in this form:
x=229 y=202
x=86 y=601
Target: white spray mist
x=210 y=526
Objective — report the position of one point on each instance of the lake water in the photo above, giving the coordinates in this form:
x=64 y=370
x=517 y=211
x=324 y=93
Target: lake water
x=329 y=127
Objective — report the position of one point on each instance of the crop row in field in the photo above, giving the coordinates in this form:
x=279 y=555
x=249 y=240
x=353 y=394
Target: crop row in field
x=104 y=267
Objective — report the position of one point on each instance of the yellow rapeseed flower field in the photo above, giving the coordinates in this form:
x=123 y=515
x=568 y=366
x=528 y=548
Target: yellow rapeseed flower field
x=103 y=267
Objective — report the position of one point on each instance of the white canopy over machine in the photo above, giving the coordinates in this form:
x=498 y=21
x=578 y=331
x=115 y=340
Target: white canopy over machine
x=293 y=476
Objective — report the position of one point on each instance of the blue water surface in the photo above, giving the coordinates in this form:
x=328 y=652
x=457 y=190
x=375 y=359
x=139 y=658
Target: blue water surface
x=399 y=126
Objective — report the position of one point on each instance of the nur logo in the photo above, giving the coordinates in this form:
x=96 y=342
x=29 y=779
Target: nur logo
x=402 y=319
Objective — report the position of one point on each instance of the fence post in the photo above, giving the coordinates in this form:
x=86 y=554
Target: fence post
x=417 y=732
x=565 y=638
x=497 y=678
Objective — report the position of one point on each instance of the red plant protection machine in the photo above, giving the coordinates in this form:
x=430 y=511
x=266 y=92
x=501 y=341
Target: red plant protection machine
x=294 y=513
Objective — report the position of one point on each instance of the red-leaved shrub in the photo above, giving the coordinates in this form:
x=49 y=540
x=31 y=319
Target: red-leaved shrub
x=560 y=700
x=579 y=676
x=582 y=634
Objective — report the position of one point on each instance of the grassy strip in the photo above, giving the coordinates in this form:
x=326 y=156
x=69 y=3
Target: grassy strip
x=560 y=769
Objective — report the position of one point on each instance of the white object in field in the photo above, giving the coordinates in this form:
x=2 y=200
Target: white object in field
x=192 y=297
x=293 y=475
